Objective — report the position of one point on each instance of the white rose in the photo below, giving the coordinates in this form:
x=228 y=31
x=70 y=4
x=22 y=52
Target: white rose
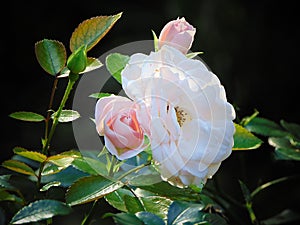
x=191 y=125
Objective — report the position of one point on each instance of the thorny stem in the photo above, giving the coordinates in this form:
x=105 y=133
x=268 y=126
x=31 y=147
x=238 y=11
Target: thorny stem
x=48 y=137
x=71 y=82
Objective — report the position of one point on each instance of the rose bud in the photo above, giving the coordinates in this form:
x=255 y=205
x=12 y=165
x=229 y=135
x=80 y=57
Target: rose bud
x=178 y=34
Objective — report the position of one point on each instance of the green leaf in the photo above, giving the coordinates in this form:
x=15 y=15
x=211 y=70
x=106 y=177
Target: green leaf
x=51 y=55
x=67 y=115
x=265 y=127
x=4 y=182
x=115 y=63
x=165 y=189
x=90 y=188
x=157 y=205
x=50 y=169
x=95 y=166
x=6 y=196
x=36 y=156
x=246 y=192
x=146 y=176
x=149 y=218
x=77 y=61
x=287 y=216
x=66 y=176
x=18 y=166
x=248 y=201
x=286 y=154
x=92 y=64
x=91 y=31
x=72 y=153
x=49 y=185
x=133 y=204
x=27 y=116
x=99 y=95
x=40 y=210
x=123 y=200
x=293 y=128
x=278 y=142
x=245 y=140
x=116 y=199
x=155 y=39
x=284 y=148
x=126 y=219
x=214 y=219
x=184 y=212
x=61 y=160
x=84 y=166
x=193 y=54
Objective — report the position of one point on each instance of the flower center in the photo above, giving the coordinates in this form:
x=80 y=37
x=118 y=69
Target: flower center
x=182 y=115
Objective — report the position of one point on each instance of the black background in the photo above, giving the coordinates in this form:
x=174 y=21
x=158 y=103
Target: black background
x=251 y=45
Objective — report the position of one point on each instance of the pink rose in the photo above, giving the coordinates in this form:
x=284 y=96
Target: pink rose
x=118 y=120
x=178 y=34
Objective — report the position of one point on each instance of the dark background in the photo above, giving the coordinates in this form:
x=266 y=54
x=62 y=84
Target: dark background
x=251 y=45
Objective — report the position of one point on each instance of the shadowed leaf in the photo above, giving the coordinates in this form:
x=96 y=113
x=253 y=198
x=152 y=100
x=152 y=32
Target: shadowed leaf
x=265 y=127
x=284 y=148
x=40 y=210
x=184 y=213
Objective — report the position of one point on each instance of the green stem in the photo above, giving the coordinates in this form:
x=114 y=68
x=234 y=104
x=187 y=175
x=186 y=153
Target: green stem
x=86 y=219
x=225 y=205
x=140 y=203
x=268 y=184
x=251 y=213
x=49 y=221
x=39 y=177
x=112 y=166
x=71 y=82
x=226 y=197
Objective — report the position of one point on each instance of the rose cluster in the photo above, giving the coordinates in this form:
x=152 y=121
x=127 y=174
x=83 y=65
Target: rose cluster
x=177 y=103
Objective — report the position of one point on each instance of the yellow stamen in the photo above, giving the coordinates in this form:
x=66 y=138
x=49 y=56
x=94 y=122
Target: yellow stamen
x=182 y=116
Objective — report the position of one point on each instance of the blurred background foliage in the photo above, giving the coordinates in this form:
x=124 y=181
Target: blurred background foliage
x=251 y=45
